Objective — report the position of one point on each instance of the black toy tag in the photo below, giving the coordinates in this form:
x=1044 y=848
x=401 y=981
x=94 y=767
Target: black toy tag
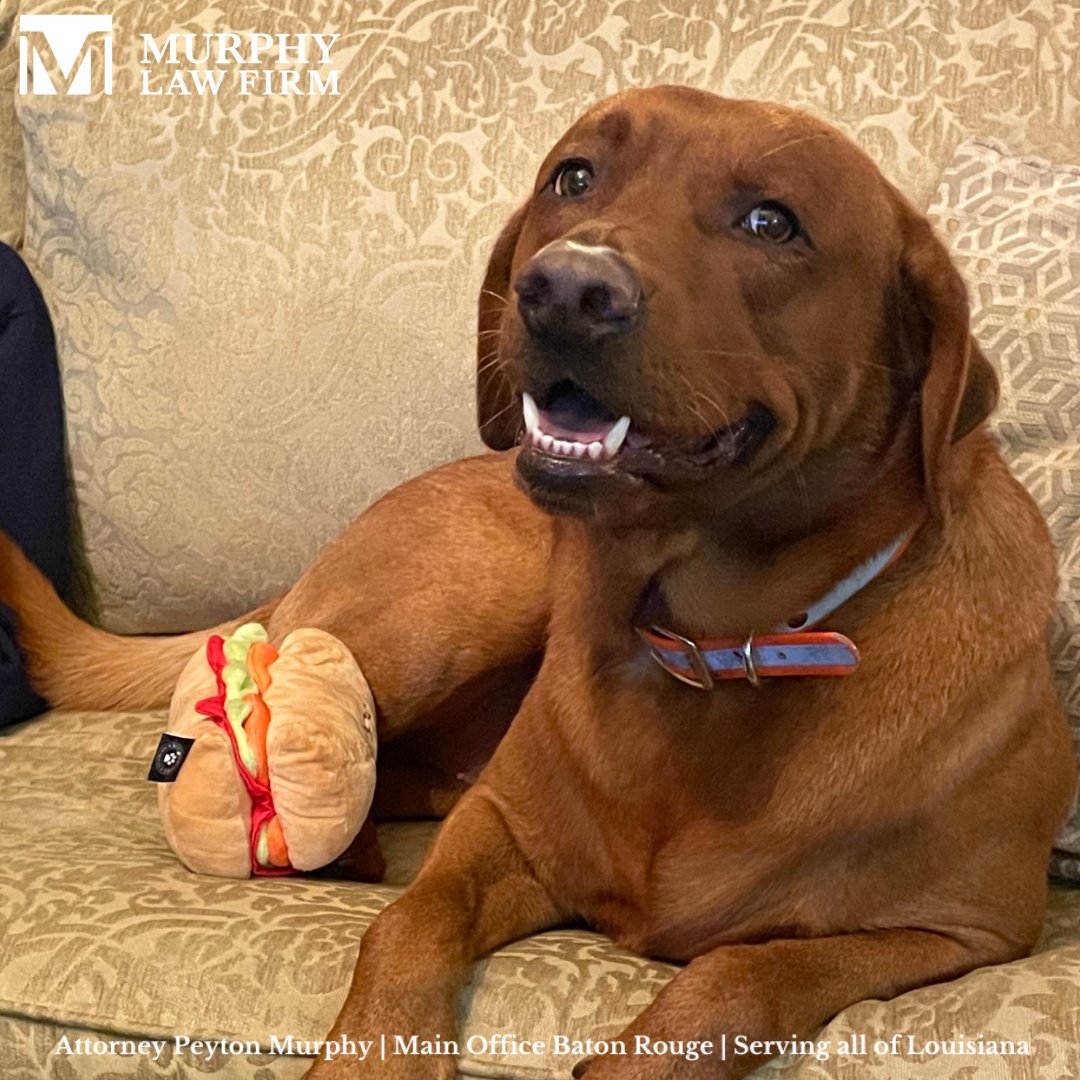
x=171 y=754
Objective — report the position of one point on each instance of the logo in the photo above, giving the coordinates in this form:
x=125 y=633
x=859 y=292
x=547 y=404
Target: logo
x=57 y=55
x=170 y=755
x=66 y=41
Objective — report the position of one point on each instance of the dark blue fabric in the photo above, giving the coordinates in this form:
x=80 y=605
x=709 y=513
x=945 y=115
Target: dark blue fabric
x=33 y=474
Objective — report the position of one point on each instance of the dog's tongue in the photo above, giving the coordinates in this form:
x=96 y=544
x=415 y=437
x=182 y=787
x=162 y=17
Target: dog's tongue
x=570 y=413
x=560 y=426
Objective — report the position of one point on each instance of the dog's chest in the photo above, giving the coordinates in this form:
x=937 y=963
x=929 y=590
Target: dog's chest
x=683 y=795
x=671 y=883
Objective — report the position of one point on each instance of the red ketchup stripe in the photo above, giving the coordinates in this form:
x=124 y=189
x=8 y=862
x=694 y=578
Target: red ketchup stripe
x=262 y=801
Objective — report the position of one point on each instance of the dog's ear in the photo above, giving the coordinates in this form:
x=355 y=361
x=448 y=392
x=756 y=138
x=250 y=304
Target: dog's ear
x=498 y=409
x=981 y=391
x=958 y=386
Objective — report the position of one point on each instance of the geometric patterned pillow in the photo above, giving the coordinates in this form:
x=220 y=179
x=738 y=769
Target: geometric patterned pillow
x=1013 y=225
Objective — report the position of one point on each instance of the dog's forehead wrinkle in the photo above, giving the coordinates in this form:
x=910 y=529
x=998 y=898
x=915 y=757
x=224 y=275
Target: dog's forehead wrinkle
x=615 y=126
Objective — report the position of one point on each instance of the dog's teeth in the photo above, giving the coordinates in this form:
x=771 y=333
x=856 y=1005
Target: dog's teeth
x=613 y=440
x=532 y=413
x=570 y=448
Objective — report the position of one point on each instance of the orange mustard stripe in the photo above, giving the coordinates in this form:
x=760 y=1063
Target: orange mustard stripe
x=259 y=658
x=256 y=726
x=275 y=839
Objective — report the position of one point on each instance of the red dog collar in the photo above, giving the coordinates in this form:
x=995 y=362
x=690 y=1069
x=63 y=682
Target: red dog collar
x=784 y=651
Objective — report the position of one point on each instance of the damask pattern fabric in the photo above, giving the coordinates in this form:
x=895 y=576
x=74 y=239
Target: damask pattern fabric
x=1013 y=224
x=106 y=935
x=265 y=304
x=12 y=168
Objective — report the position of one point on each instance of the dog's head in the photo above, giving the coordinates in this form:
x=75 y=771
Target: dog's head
x=706 y=301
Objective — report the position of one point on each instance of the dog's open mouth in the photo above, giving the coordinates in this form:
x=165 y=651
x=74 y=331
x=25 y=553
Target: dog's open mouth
x=571 y=428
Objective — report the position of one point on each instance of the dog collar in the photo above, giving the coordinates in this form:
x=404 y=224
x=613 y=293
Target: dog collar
x=795 y=648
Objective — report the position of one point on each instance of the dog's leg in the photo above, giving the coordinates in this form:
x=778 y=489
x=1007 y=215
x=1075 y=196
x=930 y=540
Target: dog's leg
x=440 y=590
x=439 y=582
x=474 y=893
x=776 y=989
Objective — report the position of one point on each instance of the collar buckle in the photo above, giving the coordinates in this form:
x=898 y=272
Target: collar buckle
x=697 y=661
x=752 y=676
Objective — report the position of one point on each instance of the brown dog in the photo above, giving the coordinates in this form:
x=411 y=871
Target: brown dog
x=790 y=344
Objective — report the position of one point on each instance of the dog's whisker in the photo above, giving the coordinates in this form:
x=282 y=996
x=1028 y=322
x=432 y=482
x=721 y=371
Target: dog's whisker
x=698 y=395
x=697 y=412
x=734 y=353
x=486 y=363
x=701 y=416
x=512 y=404
x=805 y=492
x=884 y=367
x=721 y=412
x=495 y=296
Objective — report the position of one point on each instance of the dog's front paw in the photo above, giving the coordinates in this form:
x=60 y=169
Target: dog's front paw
x=384 y=1037
x=345 y=1057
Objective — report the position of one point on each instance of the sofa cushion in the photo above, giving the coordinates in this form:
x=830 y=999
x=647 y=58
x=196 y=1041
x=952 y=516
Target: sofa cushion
x=265 y=304
x=1013 y=224
x=107 y=936
x=12 y=166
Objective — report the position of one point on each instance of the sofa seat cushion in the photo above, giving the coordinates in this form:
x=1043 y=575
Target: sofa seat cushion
x=107 y=937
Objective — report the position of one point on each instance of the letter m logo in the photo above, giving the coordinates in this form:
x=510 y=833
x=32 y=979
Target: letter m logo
x=66 y=41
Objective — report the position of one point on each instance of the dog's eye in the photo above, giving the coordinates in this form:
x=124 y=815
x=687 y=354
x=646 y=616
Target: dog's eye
x=572 y=178
x=771 y=221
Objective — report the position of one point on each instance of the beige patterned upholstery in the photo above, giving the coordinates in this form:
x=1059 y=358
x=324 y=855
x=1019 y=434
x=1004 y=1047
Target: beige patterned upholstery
x=1013 y=224
x=12 y=169
x=105 y=932
x=264 y=304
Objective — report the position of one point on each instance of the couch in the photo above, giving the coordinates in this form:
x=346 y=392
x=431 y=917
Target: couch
x=264 y=305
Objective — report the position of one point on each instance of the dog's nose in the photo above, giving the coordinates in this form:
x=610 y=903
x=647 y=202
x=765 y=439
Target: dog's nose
x=570 y=290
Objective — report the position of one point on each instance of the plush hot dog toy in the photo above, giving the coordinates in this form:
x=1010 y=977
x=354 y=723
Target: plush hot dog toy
x=282 y=770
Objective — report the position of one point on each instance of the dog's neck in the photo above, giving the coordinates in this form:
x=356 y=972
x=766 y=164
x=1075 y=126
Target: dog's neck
x=731 y=590
x=748 y=573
